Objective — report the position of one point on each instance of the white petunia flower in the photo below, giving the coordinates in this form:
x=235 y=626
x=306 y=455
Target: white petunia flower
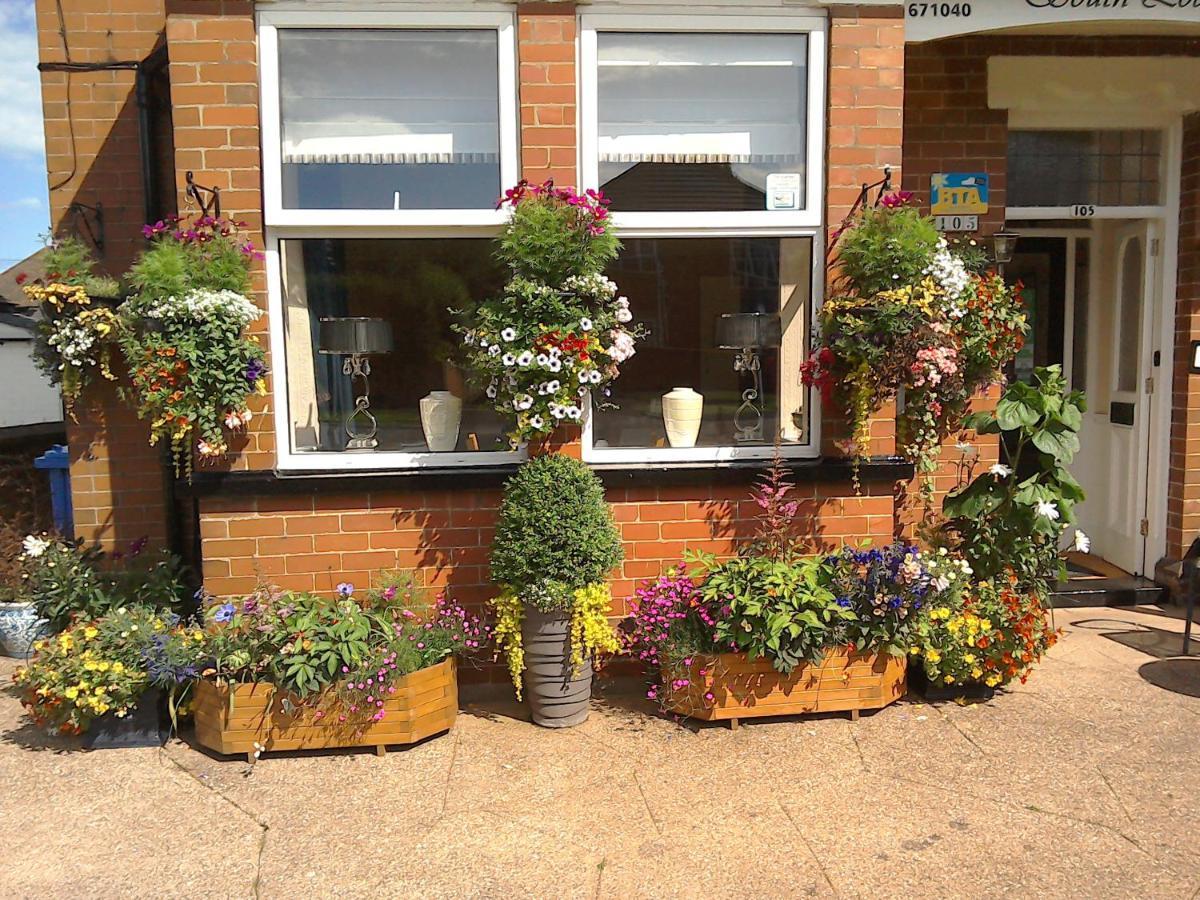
x=543 y=360
x=1082 y=542
x=585 y=324
x=508 y=359
x=574 y=412
x=525 y=358
x=34 y=546
x=508 y=334
x=1047 y=509
x=553 y=385
x=491 y=391
x=594 y=377
x=494 y=350
x=555 y=365
x=583 y=377
x=1000 y=470
x=536 y=422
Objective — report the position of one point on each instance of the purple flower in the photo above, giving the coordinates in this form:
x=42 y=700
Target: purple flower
x=345 y=589
x=255 y=370
x=224 y=613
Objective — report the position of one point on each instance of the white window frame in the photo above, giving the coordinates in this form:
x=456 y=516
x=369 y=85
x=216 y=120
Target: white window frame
x=295 y=224
x=806 y=223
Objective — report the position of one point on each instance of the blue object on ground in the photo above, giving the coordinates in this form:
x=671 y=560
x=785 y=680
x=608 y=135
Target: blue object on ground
x=57 y=463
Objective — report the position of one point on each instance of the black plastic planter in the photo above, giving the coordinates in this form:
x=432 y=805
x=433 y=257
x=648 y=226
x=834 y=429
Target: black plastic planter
x=918 y=683
x=146 y=726
x=558 y=697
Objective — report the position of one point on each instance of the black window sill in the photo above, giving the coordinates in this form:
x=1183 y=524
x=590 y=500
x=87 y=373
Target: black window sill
x=699 y=474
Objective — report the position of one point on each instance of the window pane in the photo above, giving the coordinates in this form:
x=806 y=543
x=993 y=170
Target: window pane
x=679 y=287
x=411 y=284
x=389 y=119
x=1129 y=338
x=703 y=121
x=1065 y=168
x=1079 y=338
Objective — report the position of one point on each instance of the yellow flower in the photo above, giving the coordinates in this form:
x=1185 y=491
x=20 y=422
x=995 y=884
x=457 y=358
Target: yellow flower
x=91 y=666
x=118 y=668
x=71 y=693
x=197 y=636
x=933 y=656
x=949 y=679
x=969 y=658
x=977 y=672
x=992 y=680
x=986 y=624
x=90 y=632
x=65 y=641
x=103 y=667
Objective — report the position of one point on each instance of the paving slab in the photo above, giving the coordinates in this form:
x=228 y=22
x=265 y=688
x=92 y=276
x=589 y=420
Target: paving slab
x=1079 y=783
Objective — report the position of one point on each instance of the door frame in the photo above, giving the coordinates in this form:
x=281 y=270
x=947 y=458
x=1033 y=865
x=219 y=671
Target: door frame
x=1160 y=336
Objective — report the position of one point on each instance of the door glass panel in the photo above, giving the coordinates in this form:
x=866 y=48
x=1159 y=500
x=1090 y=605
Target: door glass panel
x=1129 y=324
x=1079 y=328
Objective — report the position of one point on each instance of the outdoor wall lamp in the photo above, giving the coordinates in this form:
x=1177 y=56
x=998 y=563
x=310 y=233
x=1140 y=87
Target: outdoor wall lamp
x=1004 y=245
x=749 y=333
x=356 y=339
x=1195 y=366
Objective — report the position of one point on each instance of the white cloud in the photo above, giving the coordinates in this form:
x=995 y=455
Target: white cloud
x=23 y=203
x=20 y=86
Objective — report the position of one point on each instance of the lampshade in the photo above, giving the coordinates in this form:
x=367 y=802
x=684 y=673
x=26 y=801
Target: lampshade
x=355 y=336
x=738 y=331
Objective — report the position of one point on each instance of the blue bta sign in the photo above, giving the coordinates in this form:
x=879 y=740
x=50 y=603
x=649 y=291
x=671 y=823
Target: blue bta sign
x=928 y=21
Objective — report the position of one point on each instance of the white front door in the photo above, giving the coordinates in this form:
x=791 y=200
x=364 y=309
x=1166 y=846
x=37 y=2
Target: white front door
x=1113 y=458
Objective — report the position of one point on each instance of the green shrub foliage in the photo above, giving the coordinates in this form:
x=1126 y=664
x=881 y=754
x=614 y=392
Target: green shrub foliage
x=554 y=526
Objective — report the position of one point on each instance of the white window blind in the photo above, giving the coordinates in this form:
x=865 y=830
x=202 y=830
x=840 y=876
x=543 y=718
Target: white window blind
x=398 y=97
x=702 y=98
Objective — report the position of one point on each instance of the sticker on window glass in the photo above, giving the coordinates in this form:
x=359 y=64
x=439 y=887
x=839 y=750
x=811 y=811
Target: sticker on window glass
x=783 y=190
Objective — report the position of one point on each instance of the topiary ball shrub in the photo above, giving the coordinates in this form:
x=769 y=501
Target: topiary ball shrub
x=554 y=526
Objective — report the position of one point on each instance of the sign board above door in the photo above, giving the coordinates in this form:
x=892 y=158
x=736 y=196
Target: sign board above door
x=926 y=21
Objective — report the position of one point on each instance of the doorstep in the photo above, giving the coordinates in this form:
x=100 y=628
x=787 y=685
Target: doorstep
x=1130 y=590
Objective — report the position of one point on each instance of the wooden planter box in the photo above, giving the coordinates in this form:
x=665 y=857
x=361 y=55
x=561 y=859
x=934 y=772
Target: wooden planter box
x=425 y=703
x=744 y=688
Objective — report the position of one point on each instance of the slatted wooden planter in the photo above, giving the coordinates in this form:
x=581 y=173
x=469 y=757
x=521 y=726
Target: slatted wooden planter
x=744 y=688
x=425 y=703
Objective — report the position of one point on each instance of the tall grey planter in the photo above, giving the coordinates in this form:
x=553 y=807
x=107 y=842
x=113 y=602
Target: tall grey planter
x=558 y=698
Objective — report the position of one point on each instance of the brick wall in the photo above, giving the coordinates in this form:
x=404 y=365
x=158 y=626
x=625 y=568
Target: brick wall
x=306 y=542
x=1183 y=492
x=948 y=126
x=92 y=158
x=546 y=60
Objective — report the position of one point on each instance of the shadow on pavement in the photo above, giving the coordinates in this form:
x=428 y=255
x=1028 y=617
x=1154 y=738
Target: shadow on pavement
x=1180 y=675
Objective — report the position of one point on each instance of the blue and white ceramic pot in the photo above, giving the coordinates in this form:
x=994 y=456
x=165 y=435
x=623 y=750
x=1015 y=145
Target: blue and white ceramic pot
x=20 y=627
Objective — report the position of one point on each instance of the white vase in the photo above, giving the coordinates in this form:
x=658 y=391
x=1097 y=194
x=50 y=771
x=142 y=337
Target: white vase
x=441 y=415
x=682 y=410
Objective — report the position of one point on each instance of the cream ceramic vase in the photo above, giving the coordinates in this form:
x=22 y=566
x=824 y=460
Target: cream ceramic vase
x=441 y=416
x=682 y=410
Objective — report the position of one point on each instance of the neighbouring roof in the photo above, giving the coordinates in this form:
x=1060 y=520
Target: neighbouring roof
x=15 y=307
x=33 y=266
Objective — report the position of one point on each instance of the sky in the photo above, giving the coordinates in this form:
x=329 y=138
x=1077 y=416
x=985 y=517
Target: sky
x=24 y=207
